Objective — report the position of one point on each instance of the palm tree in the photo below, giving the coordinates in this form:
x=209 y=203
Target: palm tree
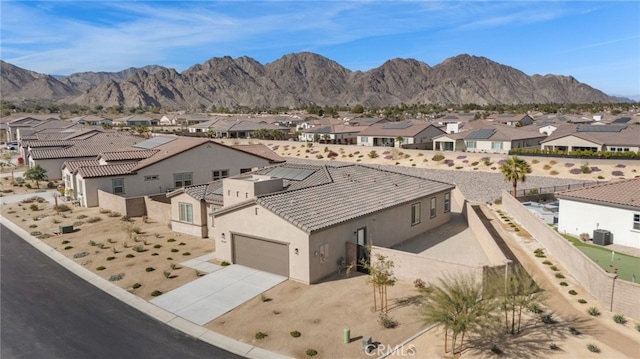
x=458 y=305
x=515 y=170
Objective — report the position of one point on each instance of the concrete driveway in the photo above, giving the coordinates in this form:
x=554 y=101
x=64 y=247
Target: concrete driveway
x=217 y=293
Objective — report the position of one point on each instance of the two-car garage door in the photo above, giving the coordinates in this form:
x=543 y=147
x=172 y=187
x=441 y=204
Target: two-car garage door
x=268 y=256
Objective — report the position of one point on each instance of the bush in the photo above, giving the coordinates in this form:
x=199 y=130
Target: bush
x=559 y=275
x=261 y=335
x=553 y=173
x=582 y=301
x=564 y=284
x=547 y=262
x=585 y=168
x=264 y=298
x=554 y=268
x=62 y=208
x=80 y=254
x=111 y=258
x=593 y=348
x=138 y=249
x=157 y=246
x=225 y=263
x=437 y=157
x=620 y=319
x=186 y=253
x=547 y=319
x=638 y=327
x=311 y=352
x=174 y=250
x=373 y=154
x=136 y=285
x=34 y=207
x=149 y=269
x=295 y=334
x=129 y=255
x=67 y=248
x=593 y=311
x=554 y=346
x=496 y=350
x=171 y=240
x=156 y=293
x=101 y=268
x=535 y=308
x=573 y=292
x=387 y=321
x=94 y=219
x=116 y=277
x=574 y=331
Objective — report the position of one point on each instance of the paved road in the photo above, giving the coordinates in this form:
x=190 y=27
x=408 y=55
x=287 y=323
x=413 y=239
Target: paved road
x=48 y=312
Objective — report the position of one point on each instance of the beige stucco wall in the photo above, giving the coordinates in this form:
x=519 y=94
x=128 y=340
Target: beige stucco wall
x=626 y=298
x=199 y=225
x=410 y=266
x=570 y=141
x=130 y=207
x=158 y=211
x=53 y=167
x=263 y=224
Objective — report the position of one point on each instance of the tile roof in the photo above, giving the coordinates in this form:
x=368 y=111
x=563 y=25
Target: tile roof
x=333 y=195
x=260 y=150
x=629 y=136
x=101 y=142
x=106 y=170
x=507 y=133
x=392 y=129
x=623 y=194
x=127 y=155
x=72 y=166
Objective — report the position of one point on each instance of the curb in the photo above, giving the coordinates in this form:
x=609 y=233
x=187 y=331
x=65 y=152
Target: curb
x=168 y=318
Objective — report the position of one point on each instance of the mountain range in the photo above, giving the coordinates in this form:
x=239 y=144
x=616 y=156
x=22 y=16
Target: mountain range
x=300 y=79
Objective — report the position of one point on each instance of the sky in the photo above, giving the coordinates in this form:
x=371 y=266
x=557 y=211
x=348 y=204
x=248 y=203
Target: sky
x=597 y=42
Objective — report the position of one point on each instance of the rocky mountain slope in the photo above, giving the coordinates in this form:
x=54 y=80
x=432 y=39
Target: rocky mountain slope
x=300 y=79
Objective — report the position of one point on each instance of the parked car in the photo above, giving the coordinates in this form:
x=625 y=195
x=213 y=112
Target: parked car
x=12 y=145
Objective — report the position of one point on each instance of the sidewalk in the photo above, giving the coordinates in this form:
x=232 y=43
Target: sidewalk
x=140 y=304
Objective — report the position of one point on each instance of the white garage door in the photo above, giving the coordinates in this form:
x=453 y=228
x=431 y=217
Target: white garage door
x=268 y=256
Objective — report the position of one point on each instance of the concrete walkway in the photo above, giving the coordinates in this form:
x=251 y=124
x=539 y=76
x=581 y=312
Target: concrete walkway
x=181 y=324
x=202 y=263
x=217 y=293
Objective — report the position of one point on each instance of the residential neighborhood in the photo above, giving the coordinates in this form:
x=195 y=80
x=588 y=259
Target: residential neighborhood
x=333 y=199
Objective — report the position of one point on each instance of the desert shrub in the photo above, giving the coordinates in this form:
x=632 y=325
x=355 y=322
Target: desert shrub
x=156 y=293
x=593 y=311
x=535 y=308
x=311 y=352
x=437 y=157
x=186 y=253
x=116 y=277
x=496 y=350
x=554 y=268
x=275 y=312
x=554 y=346
x=167 y=274
x=319 y=156
x=569 y=165
x=547 y=319
x=600 y=177
x=157 y=246
x=225 y=263
x=264 y=298
x=563 y=284
x=617 y=173
x=129 y=255
x=82 y=216
x=620 y=319
x=387 y=321
x=94 y=219
x=593 y=348
x=65 y=242
x=149 y=269
x=295 y=334
x=174 y=250
x=80 y=254
x=582 y=301
x=534 y=162
x=136 y=285
x=111 y=258
x=547 y=262
x=260 y=335
x=574 y=331
x=101 y=268
x=33 y=226
x=34 y=207
x=559 y=275
x=373 y=154
x=155 y=254
x=638 y=327
x=553 y=173
x=67 y=248
x=171 y=240
x=584 y=237
x=182 y=244
x=62 y=208
x=585 y=168
x=573 y=292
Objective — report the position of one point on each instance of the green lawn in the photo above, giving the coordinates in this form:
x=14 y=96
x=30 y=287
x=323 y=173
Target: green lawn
x=625 y=264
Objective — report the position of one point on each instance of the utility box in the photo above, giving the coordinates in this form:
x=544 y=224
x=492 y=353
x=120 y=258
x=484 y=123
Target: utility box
x=601 y=237
x=66 y=228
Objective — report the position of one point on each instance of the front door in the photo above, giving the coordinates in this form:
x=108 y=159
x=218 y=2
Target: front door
x=362 y=259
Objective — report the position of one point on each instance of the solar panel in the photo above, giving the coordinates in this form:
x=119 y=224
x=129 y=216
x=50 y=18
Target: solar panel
x=397 y=125
x=294 y=174
x=622 y=120
x=481 y=134
x=154 y=142
x=600 y=128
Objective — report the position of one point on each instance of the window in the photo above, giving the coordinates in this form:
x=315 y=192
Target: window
x=182 y=179
x=447 y=202
x=151 y=178
x=186 y=212
x=636 y=221
x=496 y=145
x=433 y=207
x=415 y=214
x=118 y=185
x=220 y=174
x=471 y=144
x=245 y=170
x=364 y=139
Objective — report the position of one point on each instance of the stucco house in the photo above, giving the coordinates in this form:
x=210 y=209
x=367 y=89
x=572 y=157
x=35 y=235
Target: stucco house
x=611 y=138
x=91 y=120
x=158 y=165
x=400 y=134
x=135 y=120
x=489 y=139
x=510 y=119
x=296 y=220
x=340 y=133
x=612 y=206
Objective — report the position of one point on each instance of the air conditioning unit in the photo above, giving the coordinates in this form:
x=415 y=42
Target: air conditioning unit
x=601 y=237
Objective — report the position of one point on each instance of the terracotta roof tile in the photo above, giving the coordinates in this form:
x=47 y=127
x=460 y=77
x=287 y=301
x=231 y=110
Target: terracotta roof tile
x=106 y=170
